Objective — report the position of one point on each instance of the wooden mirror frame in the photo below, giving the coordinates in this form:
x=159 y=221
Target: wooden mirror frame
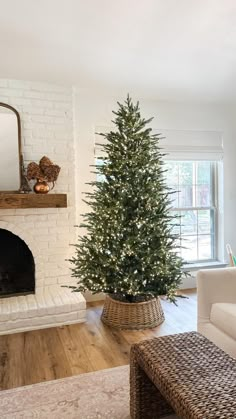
x=5 y=105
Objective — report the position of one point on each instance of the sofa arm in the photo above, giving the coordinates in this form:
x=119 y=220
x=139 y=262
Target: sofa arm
x=214 y=286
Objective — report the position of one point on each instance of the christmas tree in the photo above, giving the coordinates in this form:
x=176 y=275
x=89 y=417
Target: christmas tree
x=129 y=250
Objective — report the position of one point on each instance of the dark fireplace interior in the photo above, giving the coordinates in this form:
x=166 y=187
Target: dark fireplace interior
x=17 y=268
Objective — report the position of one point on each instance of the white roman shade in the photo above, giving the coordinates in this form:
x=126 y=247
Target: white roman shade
x=179 y=144
x=191 y=145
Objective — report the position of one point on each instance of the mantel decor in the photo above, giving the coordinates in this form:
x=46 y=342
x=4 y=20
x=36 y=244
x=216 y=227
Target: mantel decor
x=13 y=178
x=130 y=251
x=44 y=173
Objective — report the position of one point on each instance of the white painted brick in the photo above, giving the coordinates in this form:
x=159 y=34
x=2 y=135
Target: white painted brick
x=50 y=281
x=81 y=315
x=19 y=84
x=56 y=251
x=3 y=83
x=20 y=323
x=74 y=297
x=40 y=217
x=64 y=238
x=42 y=246
x=57 y=254
x=42 y=321
x=23 y=307
x=33 y=306
x=4 y=310
x=66 y=279
x=44 y=238
x=57 y=229
x=40 y=276
x=28 y=134
x=52 y=273
x=7 y=212
x=47 y=129
x=21 y=101
x=26 y=108
x=14 y=218
x=45 y=119
x=33 y=125
x=34 y=94
x=43 y=133
x=43 y=104
x=8 y=92
x=4 y=327
x=58 y=112
x=42 y=231
x=66 y=317
x=46 y=224
x=15 y=326
x=63 y=217
x=53 y=305
x=63 y=271
x=52 y=265
x=59 y=97
x=48 y=87
x=15 y=307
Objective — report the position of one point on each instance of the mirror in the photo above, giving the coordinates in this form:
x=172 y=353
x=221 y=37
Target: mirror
x=10 y=149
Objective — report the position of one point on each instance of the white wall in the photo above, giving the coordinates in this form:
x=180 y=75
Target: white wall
x=46 y=112
x=93 y=109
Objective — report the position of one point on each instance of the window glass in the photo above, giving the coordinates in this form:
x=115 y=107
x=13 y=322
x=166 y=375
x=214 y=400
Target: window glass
x=193 y=201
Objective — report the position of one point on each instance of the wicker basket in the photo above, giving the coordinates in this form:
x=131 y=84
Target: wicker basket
x=145 y=315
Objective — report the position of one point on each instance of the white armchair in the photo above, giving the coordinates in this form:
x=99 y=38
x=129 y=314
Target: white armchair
x=217 y=307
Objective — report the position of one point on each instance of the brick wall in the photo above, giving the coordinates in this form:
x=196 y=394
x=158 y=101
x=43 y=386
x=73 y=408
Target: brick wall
x=47 y=129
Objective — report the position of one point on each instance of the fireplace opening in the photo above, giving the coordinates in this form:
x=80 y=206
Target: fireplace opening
x=17 y=267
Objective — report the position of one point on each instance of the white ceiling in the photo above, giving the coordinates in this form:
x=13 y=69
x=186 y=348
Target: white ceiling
x=164 y=49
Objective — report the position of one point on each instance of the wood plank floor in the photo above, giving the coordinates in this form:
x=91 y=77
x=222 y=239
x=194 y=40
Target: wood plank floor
x=32 y=357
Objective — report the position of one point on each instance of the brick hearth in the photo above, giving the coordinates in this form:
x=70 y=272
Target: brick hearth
x=50 y=306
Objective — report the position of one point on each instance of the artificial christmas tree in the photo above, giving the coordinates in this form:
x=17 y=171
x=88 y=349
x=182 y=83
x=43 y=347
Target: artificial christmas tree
x=129 y=251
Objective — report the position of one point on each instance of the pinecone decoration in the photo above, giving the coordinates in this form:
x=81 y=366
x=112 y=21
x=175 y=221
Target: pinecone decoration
x=51 y=172
x=45 y=162
x=44 y=171
x=34 y=171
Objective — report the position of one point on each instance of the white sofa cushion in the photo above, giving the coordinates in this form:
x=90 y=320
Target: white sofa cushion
x=223 y=316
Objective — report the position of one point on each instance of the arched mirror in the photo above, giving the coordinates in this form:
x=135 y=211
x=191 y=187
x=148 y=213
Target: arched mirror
x=10 y=149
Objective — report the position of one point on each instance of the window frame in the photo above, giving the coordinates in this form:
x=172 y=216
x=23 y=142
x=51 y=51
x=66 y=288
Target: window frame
x=217 y=207
x=213 y=207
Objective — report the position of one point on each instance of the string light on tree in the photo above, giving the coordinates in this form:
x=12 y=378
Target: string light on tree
x=129 y=250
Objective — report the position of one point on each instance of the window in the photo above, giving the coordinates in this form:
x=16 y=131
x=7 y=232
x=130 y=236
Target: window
x=195 y=163
x=194 y=202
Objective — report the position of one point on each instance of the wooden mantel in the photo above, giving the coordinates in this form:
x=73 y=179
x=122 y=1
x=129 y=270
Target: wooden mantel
x=32 y=200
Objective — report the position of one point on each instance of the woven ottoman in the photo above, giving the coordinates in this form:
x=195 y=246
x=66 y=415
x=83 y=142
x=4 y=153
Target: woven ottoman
x=186 y=374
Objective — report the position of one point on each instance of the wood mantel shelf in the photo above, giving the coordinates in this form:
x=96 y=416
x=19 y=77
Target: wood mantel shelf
x=32 y=200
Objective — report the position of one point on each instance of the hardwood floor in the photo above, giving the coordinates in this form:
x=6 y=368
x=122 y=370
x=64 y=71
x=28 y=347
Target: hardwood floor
x=31 y=357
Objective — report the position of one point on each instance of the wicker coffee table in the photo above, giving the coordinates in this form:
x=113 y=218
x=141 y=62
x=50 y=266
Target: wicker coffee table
x=185 y=374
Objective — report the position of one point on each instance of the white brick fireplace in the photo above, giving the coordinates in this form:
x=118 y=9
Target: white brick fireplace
x=47 y=129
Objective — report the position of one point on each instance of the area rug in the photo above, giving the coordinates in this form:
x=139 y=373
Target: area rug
x=98 y=395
